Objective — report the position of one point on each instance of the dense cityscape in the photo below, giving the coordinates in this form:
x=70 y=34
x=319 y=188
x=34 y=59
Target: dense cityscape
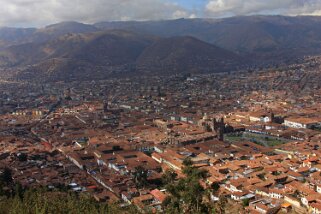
x=244 y=142
x=160 y=106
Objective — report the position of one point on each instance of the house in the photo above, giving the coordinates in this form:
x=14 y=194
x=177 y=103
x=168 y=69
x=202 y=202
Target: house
x=302 y=123
x=236 y=185
x=143 y=201
x=157 y=157
x=293 y=201
x=295 y=175
x=238 y=196
x=265 y=206
x=175 y=118
x=276 y=193
x=305 y=171
x=318 y=189
x=308 y=200
x=286 y=207
x=261 y=117
x=262 y=191
x=149 y=202
x=316 y=208
x=158 y=195
x=128 y=195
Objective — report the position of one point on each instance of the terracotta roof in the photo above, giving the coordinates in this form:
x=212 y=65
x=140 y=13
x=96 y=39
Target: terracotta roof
x=316 y=206
x=160 y=196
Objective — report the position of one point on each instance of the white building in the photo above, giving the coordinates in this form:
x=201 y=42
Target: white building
x=259 y=117
x=302 y=123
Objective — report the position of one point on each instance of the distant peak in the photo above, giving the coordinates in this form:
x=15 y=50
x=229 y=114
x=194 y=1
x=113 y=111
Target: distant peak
x=66 y=23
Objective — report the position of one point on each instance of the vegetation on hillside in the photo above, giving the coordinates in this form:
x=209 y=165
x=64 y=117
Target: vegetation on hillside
x=14 y=199
x=186 y=195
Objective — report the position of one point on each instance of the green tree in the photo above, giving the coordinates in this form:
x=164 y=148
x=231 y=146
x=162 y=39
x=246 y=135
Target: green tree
x=41 y=201
x=6 y=176
x=19 y=191
x=245 y=202
x=187 y=162
x=169 y=177
x=140 y=176
x=187 y=194
x=215 y=186
x=22 y=157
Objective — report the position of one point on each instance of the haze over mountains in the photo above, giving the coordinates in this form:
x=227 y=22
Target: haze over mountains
x=74 y=51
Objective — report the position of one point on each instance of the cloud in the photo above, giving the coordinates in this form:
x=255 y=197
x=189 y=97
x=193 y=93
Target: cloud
x=42 y=12
x=221 y=8
x=183 y=14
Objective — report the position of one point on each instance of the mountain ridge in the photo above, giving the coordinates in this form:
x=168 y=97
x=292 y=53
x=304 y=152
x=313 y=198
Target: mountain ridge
x=158 y=47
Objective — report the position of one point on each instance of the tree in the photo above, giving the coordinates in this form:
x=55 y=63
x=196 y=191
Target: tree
x=245 y=202
x=6 y=176
x=22 y=157
x=215 y=186
x=188 y=166
x=42 y=201
x=187 y=162
x=169 y=177
x=140 y=176
x=187 y=194
x=19 y=191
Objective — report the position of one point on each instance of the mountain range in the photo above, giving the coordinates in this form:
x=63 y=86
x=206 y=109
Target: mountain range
x=74 y=51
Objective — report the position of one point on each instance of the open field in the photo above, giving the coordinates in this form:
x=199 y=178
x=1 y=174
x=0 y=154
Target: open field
x=264 y=140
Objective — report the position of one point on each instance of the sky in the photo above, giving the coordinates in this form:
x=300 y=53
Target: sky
x=36 y=13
